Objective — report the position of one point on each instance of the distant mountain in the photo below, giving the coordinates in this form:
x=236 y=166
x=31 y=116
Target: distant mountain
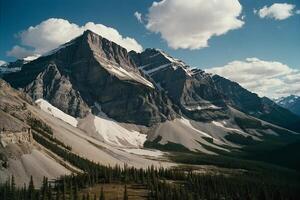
x=15 y=66
x=291 y=103
x=11 y=67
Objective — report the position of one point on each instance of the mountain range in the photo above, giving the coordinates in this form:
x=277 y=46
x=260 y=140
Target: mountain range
x=113 y=106
x=292 y=103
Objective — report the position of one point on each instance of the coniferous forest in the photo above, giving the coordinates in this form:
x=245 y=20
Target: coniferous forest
x=161 y=183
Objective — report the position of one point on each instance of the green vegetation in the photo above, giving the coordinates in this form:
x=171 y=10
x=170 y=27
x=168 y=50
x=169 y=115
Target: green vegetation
x=170 y=146
x=240 y=139
x=39 y=125
x=41 y=128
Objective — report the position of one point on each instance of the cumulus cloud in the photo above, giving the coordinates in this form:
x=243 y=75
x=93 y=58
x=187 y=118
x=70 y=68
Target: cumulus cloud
x=2 y=62
x=190 y=24
x=53 y=32
x=277 y=11
x=138 y=16
x=19 y=52
x=266 y=78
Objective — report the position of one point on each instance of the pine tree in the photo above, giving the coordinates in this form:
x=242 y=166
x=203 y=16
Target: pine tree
x=44 y=188
x=71 y=191
x=13 y=188
x=76 y=197
x=125 y=197
x=64 y=189
x=102 y=194
x=31 y=189
x=49 y=192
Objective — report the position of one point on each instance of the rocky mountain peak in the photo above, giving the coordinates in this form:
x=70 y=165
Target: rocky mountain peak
x=151 y=61
x=291 y=102
x=106 y=49
x=91 y=70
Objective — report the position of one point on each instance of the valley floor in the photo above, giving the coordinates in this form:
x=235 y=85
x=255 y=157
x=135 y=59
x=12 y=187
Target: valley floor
x=115 y=191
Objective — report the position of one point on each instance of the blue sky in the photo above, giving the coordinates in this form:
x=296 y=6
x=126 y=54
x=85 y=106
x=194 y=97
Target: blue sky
x=263 y=38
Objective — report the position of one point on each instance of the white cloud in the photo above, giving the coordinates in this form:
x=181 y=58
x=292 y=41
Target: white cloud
x=266 y=78
x=138 y=16
x=19 y=52
x=2 y=62
x=297 y=12
x=53 y=32
x=113 y=35
x=189 y=24
x=278 y=11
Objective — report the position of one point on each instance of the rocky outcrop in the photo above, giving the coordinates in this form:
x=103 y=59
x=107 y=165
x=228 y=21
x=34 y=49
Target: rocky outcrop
x=57 y=88
x=191 y=89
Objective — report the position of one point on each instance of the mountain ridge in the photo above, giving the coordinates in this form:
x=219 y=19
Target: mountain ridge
x=291 y=102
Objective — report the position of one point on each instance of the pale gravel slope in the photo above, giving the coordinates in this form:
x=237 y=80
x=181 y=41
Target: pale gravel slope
x=36 y=164
x=93 y=149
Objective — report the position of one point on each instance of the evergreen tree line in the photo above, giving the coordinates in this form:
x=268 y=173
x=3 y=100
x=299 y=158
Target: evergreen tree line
x=162 y=183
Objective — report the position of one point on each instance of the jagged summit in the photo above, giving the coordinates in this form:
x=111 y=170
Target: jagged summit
x=155 y=60
x=291 y=102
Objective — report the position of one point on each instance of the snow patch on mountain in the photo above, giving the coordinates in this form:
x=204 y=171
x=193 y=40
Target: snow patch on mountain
x=115 y=69
x=171 y=62
x=150 y=71
x=6 y=70
x=145 y=152
x=115 y=134
x=3 y=63
x=195 y=108
x=291 y=103
x=47 y=107
x=31 y=58
x=108 y=129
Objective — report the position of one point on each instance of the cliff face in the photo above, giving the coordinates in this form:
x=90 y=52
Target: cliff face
x=191 y=89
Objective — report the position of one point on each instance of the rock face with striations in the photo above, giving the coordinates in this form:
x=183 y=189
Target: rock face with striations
x=88 y=70
x=191 y=89
x=250 y=103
